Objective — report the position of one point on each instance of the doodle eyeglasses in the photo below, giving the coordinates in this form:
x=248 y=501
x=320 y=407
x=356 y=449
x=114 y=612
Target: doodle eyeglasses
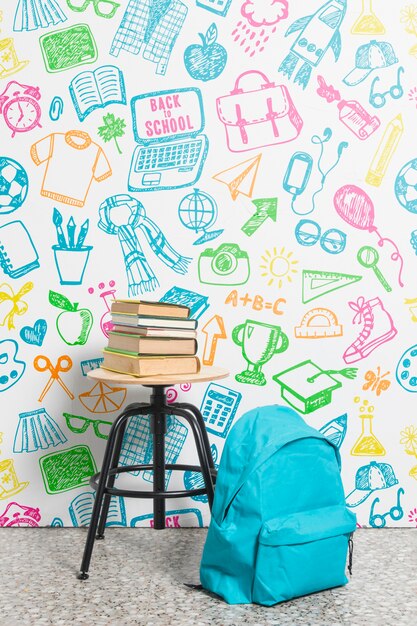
x=102 y=8
x=308 y=233
x=79 y=424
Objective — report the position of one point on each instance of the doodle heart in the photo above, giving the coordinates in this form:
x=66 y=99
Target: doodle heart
x=34 y=334
x=11 y=368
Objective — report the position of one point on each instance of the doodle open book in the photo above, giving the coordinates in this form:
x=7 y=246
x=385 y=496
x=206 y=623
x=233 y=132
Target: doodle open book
x=92 y=90
x=18 y=255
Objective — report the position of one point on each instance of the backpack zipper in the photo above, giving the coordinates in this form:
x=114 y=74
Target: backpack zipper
x=350 y=544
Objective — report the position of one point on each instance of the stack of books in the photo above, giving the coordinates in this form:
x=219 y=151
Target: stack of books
x=151 y=339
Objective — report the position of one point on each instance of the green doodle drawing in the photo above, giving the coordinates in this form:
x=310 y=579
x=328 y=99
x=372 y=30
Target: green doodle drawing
x=227 y=265
x=317 y=283
x=307 y=387
x=368 y=257
x=67 y=469
x=113 y=127
x=265 y=207
x=68 y=47
x=259 y=343
x=102 y=8
x=73 y=324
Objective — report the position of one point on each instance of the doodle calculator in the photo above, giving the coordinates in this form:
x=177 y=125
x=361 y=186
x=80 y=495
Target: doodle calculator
x=218 y=407
x=220 y=7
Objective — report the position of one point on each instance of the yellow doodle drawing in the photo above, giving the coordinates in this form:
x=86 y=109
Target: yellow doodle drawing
x=11 y=303
x=413 y=472
x=367 y=23
x=318 y=323
x=385 y=151
x=412 y=309
x=367 y=444
x=9 y=62
x=240 y=178
x=1 y=434
x=408 y=17
x=277 y=266
x=9 y=482
x=409 y=440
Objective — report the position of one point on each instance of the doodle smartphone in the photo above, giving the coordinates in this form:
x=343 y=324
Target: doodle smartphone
x=298 y=173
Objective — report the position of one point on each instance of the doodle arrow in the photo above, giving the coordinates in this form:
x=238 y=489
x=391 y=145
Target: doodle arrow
x=265 y=207
x=214 y=329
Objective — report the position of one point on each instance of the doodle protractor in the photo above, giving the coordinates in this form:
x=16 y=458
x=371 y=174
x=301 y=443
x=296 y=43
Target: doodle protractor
x=318 y=323
x=102 y=398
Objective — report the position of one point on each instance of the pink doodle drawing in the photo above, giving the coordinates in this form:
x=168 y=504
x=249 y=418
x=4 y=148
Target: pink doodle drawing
x=20 y=108
x=19 y=515
x=357 y=209
x=259 y=115
x=351 y=113
x=258 y=24
x=106 y=324
x=172 y=393
x=378 y=328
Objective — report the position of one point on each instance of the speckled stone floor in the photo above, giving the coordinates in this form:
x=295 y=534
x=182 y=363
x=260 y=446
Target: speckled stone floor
x=137 y=576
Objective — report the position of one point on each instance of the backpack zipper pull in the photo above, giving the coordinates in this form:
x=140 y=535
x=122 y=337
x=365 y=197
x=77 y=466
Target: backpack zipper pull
x=350 y=544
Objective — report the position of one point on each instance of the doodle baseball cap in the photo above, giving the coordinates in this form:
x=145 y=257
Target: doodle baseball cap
x=368 y=479
x=371 y=56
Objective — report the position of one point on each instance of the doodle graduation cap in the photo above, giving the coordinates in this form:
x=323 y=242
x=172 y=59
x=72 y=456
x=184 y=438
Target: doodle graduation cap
x=307 y=387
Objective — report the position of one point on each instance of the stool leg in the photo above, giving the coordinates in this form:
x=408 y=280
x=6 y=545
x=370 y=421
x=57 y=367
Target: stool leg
x=112 y=478
x=89 y=544
x=158 y=429
x=202 y=428
x=201 y=450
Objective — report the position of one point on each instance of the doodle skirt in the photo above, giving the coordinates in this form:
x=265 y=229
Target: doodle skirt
x=37 y=430
x=34 y=14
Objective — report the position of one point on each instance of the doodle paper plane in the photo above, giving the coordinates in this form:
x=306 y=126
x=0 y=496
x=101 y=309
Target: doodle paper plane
x=240 y=178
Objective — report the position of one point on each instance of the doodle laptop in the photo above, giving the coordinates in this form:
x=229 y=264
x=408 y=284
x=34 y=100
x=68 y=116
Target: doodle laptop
x=171 y=150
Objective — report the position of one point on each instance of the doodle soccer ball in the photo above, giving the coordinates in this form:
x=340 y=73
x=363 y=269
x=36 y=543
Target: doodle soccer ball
x=406 y=186
x=13 y=185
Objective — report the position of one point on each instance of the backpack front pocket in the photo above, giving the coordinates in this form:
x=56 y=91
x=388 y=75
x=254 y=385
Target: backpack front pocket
x=302 y=553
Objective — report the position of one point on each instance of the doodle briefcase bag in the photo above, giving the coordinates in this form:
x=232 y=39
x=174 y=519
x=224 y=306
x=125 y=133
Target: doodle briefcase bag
x=262 y=116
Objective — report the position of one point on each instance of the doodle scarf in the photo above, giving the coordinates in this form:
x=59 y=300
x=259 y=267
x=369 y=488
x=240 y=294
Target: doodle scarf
x=139 y=274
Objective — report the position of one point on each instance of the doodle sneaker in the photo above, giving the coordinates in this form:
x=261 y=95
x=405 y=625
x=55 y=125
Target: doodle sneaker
x=378 y=328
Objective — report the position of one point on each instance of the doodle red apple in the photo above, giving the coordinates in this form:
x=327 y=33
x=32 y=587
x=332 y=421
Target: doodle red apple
x=73 y=324
x=207 y=61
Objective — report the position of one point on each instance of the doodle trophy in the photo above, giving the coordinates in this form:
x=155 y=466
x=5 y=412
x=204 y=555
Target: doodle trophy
x=259 y=343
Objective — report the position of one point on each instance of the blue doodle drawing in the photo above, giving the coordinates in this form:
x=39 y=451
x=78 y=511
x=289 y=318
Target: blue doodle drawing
x=198 y=211
x=81 y=508
x=153 y=24
x=56 y=108
x=296 y=177
x=308 y=233
x=14 y=184
x=195 y=480
x=171 y=153
x=370 y=478
x=335 y=430
x=396 y=91
x=220 y=7
x=207 y=61
x=97 y=89
x=317 y=140
x=57 y=523
x=219 y=407
x=70 y=254
x=137 y=444
x=34 y=334
x=37 y=430
x=139 y=274
x=18 y=255
x=405 y=186
x=406 y=372
x=317 y=33
x=11 y=369
x=369 y=57
x=396 y=512
x=90 y=364
x=172 y=518
x=34 y=14
x=196 y=302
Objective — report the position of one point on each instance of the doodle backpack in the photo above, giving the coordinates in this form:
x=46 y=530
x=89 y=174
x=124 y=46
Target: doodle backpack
x=280 y=527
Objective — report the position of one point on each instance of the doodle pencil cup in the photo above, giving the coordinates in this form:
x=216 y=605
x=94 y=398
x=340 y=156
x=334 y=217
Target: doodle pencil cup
x=71 y=263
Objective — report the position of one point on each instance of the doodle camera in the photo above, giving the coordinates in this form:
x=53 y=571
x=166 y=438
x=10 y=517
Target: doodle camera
x=226 y=265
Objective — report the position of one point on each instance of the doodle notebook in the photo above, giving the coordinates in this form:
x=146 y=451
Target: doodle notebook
x=18 y=255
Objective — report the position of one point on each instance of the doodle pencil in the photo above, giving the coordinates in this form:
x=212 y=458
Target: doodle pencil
x=82 y=234
x=71 y=232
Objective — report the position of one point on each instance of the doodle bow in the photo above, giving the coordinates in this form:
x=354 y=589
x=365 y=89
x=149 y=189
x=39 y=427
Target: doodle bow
x=18 y=306
x=139 y=274
x=359 y=307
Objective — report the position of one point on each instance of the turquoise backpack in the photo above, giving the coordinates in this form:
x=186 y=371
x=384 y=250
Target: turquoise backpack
x=280 y=527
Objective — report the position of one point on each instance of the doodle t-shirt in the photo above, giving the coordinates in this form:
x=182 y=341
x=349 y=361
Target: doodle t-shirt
x=73 y=160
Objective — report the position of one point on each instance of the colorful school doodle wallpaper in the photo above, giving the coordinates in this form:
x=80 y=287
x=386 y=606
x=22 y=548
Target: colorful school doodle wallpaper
x=253 y=159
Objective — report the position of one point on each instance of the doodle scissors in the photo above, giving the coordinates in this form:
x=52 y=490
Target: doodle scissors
x=102 y=8
x=43 y=363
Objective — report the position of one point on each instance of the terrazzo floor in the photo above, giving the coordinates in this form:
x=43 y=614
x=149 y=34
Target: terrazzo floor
x=137 y=576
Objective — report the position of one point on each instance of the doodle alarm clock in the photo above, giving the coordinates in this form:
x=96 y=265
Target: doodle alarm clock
x=406 y=372
x=21 y=110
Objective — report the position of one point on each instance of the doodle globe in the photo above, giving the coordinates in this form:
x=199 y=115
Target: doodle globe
x=406 y=186
x=13 y=185
x=197 y=210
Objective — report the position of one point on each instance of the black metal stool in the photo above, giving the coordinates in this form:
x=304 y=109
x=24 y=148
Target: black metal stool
x=103 y=482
